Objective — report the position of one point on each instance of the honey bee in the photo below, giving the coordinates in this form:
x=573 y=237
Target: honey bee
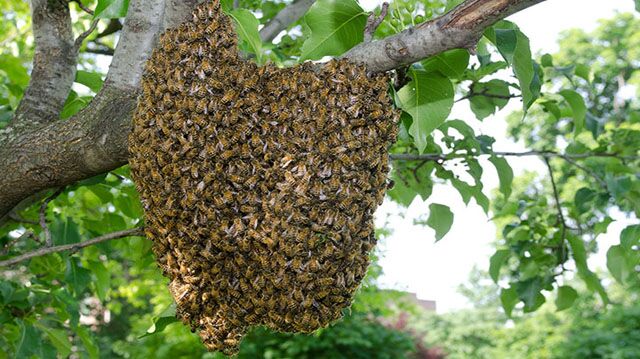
x=229 y=96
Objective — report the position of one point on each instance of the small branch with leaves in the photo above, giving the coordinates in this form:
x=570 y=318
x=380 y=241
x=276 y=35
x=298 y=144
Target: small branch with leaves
x=134 y=232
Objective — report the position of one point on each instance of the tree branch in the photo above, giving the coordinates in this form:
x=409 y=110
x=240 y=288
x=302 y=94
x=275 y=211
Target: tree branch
x=54 y=64
x=178 y=11
x=286 y=17
x=73 y=247
x=460 y=28
x=94 y=140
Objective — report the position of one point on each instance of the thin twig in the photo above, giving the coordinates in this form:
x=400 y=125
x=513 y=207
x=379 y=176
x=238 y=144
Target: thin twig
x=139 y=232
x=113 y=26
x=586 y=170
x=7 y=247
x=373 y=22
x=27 y=234
x=563 y=222
x=84 y=35
x=105 y=52
x=43 y=216
x=81 y=6
x=17 y=218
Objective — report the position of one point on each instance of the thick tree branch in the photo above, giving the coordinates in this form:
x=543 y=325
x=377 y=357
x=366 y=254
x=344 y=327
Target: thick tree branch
x=95 y=140
x=54 y=64
x=178 y=11
x=460 y=28
x=72 y=247
x=286 y=17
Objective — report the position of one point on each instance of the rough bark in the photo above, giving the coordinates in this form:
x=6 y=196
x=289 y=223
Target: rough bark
x=95 y=140
x=54 y=64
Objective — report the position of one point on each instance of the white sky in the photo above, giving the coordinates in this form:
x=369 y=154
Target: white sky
x=410 y=259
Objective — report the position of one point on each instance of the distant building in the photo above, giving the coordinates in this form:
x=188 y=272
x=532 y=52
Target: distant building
x=401 y=297
x=429 y=305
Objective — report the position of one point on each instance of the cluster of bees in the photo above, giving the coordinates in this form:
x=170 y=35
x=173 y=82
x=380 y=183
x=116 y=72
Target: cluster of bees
x=259 y=184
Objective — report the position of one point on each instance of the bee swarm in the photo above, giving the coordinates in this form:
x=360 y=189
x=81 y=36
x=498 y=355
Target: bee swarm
x=259 y=184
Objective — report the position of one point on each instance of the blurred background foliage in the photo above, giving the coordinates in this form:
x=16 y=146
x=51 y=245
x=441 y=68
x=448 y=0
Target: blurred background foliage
x=540 y=299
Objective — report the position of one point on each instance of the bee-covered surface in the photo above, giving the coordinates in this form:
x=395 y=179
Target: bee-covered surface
x=259 y=184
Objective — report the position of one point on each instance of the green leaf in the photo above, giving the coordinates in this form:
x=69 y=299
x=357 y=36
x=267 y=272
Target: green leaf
x=630 y=236
x=509 y=299
x=488 y=97
x=428 y=98
x=546 y=60
x=226 y=5
x=48 y=267
x=92 y=80
x=411 y=181
x=15 y=70
x=64 y=231
x=336 y=26
x=484 y=70
x=637 y=5
x=168 y=316
x=89 y=344
x=552 y=107
x=74 y=105
x=58 y=338
x=103 y=279
x=514 y=47
x=247 y=29
x=505 y=174
x=566 y=297
x=76 y=277
x=129 y=206
x=617 y=263
x=111 y=9
x=583 y=199
x=529 y=292
x=580 y=257
x=440 y=219
x=578 y=108
x=29 y=342
x=496 y=262
x=452 y=63
x=583 y=71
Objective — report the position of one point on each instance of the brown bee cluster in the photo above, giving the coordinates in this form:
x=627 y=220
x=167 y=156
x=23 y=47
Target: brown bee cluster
x=259 y=184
